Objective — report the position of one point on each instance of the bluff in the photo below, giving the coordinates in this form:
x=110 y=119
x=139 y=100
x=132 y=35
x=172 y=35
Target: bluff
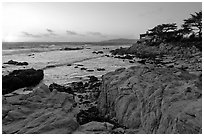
x=153 y=99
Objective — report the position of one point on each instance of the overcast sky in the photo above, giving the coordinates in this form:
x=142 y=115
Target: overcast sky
x=88 y=21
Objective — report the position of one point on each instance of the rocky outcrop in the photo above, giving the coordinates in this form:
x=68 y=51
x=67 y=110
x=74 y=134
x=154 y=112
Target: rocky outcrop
x=95 y=128
x=70 y=49
x=41 y=112
x=21 y=78
x=12 y=62
x=153 y=100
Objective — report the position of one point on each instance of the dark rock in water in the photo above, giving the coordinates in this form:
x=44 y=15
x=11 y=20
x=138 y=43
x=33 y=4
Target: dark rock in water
x=76 y=67
x=16 y=63
x=131 y=61
x=89 y=70
x=21 y=78
x=60 y=88
x=100 y=52
x=68 y=49
x=80 y=65
x=69 y=64
x=31 y=54
x=93 y=79
x=107 y=55
x=83 y=68
x=78 y=86
x=142 y=61
x=101 y=69
x=86 y=84
x=50 y=66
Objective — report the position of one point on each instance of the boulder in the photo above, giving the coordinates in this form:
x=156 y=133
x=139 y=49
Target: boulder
x=60 y=88
x=89 y=70
x=11 y=62
x=21 y=78
x=152 y=99
x=85 y=116
x=83 y=68
x=40 y=112
x=95 y=128
x=93 y=79
x=101 y=69
x=70 y=49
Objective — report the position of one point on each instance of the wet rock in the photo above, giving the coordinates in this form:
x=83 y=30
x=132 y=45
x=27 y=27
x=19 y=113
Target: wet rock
x=83 y=68
x=68 y=49
x=40 y=112
x=21 y=78
x=101 y=69
x=131 y=61
x=152 y=100
x=60 y=88
x=78 y=86
x=94 y=85
x=89 y=70
x=80 y=65
x=85 y=116
x=31 y=54
x=51 y=66
x=142 y=61
x=100 y=52
x=69 y=64
x=11 y=62
x=93 y=79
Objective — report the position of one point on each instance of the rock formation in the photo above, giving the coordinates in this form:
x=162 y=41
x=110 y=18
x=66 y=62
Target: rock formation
x=153 y=100
x=39 y=112
x=21 y=78
x=12 y=62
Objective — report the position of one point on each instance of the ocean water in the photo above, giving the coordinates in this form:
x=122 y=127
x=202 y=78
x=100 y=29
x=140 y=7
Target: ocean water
x=54 y=62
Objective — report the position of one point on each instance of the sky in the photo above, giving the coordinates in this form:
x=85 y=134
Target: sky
x=83 y=22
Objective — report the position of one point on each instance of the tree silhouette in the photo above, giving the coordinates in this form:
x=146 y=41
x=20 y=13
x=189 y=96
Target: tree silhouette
x=193 y=24
x=164 y=31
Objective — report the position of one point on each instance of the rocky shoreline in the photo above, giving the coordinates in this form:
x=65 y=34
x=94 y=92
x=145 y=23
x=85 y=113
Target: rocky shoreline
x=161 y=95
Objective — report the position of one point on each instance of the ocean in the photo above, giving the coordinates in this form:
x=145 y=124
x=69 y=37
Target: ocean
x=62 y=66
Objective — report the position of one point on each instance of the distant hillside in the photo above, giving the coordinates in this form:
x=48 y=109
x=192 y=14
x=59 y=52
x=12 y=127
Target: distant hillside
x=121 y=41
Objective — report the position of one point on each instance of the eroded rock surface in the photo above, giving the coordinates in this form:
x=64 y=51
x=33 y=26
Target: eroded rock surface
x=41 y=112
x=153 y=100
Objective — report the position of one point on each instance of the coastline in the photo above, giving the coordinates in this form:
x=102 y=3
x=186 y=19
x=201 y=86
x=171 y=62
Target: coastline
x=111 y=103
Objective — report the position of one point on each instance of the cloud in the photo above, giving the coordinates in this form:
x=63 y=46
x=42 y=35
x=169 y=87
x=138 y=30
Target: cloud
x=48 y=34
x=49 y=30
x=96 y=34
x=73 y=33
x=31 y=35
